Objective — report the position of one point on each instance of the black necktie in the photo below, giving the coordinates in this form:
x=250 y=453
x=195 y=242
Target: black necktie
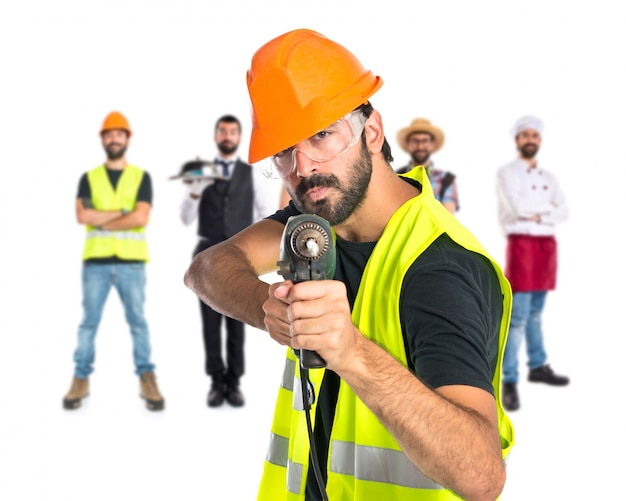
x=225 y=167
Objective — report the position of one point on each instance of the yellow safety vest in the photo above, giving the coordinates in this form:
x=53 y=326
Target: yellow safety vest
x=125 y=244
x=365 y=462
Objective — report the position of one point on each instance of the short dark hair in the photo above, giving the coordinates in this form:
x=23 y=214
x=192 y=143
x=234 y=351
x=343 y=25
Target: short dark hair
x=367 y=109
x=229 y=119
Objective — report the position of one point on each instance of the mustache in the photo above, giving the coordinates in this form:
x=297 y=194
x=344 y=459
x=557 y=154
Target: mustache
x=316 y=181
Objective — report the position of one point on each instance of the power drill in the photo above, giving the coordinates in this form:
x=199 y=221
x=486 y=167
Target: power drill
x=307 y=252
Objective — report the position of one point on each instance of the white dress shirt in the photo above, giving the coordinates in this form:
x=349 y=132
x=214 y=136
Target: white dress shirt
x=264 y=203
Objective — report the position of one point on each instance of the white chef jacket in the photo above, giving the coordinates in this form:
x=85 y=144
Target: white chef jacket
x=524 y=192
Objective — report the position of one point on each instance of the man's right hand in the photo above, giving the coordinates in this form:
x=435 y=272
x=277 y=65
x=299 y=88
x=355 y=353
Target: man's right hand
x=195 y=187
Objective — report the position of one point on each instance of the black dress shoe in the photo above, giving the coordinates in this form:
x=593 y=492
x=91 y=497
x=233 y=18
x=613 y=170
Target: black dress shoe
x=510 y=398
x=216 y=395
x=234 y=395
x=545 y=374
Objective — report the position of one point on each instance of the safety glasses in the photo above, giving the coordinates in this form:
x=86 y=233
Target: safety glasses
x=327 y=144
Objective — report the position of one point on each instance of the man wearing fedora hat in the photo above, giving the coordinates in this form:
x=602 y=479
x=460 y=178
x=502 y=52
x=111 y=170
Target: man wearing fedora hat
x=420 y=140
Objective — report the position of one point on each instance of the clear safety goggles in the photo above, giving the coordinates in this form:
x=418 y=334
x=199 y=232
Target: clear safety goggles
x=327 y=144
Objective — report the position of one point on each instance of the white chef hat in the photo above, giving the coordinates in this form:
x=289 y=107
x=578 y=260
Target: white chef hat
x=527 y=122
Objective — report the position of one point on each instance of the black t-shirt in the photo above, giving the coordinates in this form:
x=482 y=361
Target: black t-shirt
x=450 y=311
x=144 y=195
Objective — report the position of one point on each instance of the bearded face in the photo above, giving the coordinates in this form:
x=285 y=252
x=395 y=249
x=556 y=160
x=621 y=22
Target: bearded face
x=420 y=157
x=115 y=142
x=227 y=147
x=420 y=146
x=115 y=151
x=528 y=142
x=528 y=150
x=351 y=190
x=227 y=137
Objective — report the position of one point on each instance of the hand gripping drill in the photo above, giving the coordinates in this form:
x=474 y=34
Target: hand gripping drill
x=307 y=252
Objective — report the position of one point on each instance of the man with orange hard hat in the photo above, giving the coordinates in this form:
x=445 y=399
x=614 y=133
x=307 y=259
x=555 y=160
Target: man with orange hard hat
x=114 y=202
x=411 y=328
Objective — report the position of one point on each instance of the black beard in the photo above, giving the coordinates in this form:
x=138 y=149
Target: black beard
x=115 y=155
x=227 y=148
x=417 y=160
x=528 y=153
x=351 y=196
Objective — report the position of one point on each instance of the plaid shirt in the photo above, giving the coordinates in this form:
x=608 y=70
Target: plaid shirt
x=435 y=176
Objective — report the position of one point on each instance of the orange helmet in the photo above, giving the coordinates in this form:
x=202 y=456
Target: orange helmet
x=115 y=120
x=299 y=83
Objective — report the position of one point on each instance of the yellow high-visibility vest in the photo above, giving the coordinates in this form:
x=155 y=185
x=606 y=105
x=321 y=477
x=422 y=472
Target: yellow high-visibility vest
x=365 y=462
x=125 y=244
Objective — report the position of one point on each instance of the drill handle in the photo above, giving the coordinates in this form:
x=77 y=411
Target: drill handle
x=311 y=360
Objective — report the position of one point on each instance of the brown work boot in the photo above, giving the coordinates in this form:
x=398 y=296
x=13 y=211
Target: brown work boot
x=150 y=392
x=78 y=391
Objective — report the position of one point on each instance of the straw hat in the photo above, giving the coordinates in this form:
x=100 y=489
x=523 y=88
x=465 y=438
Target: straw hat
x=421 y=125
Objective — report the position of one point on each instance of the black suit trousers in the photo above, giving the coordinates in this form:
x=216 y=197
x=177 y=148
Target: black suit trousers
x=233 y=369
x=214 y=364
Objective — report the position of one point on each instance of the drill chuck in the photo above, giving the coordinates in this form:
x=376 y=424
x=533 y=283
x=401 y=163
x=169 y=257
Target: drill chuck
x=307 y=252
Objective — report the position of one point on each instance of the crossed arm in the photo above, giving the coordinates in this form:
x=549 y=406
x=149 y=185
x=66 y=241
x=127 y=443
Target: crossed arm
x=115 y=219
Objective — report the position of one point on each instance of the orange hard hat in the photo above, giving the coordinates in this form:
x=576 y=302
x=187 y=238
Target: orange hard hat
x=115 y=120
x=299 y=83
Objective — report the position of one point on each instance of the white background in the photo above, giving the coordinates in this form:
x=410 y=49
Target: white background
x=173 y=67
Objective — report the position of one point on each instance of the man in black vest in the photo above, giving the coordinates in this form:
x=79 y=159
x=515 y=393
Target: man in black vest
x=224 y=205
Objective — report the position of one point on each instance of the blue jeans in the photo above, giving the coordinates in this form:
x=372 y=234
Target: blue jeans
x=130 y=281
x=525 y=324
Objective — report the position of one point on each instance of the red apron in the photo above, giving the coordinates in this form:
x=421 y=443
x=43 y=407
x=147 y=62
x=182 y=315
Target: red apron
x=531 y=263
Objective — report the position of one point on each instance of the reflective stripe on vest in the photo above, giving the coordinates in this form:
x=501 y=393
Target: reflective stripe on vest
x=119 y=235
x=348 y=458
x=365 y=461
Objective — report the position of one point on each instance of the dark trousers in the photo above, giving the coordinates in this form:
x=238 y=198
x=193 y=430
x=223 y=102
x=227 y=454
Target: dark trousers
x=212 y=333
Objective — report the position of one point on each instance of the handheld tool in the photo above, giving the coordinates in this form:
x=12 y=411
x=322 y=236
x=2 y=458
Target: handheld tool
x=307 y=252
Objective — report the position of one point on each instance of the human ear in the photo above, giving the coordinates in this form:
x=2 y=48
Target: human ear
x=374 y=132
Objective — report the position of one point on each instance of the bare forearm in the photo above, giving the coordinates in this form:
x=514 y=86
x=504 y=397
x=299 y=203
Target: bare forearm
x=95 y=217
x=127 y=221
x=220 y=275
x=452 y=444
x=115 y=219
